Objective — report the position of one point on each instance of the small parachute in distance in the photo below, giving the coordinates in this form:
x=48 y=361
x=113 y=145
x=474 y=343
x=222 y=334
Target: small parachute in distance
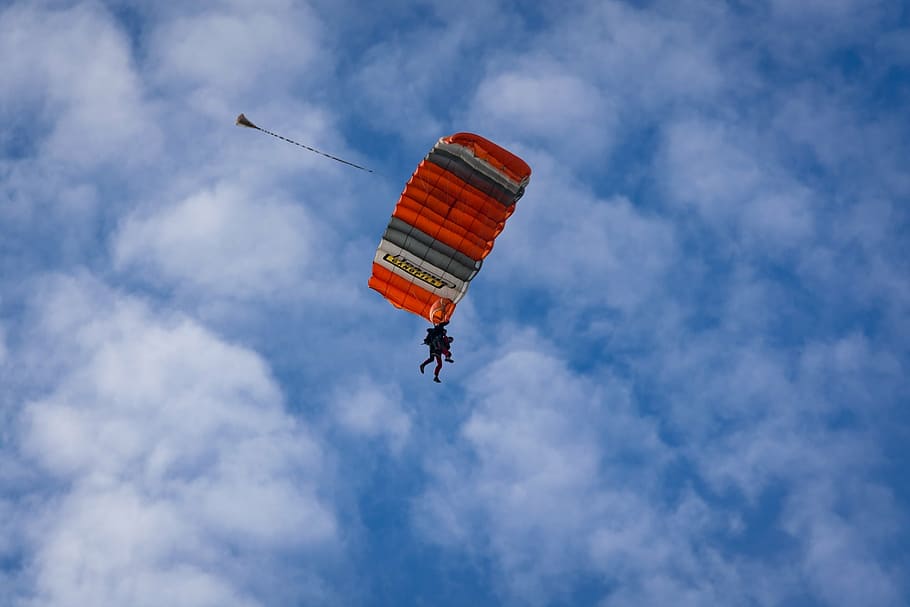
x=444 y=225
x=244 y=121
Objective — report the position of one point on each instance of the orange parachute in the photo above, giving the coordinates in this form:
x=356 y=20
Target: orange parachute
x=450 y=212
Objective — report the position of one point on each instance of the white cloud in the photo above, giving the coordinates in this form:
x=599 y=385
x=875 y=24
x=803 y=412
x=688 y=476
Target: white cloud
x=592 y=251
x=76 y=119
x=179 y=467
x=645 y=59
x=842 y=559
x=758 y=422
x=658 y=556
x=394 y=83
x=222 y=56
x=371 y=410
x=895 y=46
x=418 y=78
x=115 y=547
x=577 y=86
x=723 y=173
x=825 y=12
x=810 y=40
x=548 y=103
x=536 y=481
x=225 y=241
x=71 y=69
x=859 y=148
x=557 y=476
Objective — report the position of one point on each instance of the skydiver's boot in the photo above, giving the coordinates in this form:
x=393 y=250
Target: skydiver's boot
x=449 y=359
x=422 y=365
x=436 y=379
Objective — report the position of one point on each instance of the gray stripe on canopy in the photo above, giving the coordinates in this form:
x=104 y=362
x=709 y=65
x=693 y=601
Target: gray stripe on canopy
x=478 y=164
x=471 y=176
x=424 y=246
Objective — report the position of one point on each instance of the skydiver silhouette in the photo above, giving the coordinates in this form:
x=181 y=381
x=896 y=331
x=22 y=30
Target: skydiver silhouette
x=440 y=345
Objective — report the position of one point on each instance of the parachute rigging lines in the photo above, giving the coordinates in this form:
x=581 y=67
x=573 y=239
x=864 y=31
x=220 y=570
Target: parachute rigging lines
x=444 y=225
x=244 y=121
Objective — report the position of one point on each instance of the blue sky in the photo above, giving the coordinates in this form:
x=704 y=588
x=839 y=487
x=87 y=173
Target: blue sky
x=681 y=376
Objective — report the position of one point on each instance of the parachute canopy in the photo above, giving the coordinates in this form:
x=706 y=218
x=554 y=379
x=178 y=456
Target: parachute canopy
x=450 y=212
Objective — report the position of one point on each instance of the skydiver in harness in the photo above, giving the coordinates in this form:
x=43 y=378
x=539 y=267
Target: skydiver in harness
x=440 y=344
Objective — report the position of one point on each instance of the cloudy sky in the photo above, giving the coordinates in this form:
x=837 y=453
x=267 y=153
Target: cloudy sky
x=681 y=378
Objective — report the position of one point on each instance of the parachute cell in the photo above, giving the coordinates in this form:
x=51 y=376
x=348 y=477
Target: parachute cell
x=444 y=225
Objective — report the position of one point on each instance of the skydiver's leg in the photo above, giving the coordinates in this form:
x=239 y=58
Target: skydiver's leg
x=425 y=363
x=438 y=367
